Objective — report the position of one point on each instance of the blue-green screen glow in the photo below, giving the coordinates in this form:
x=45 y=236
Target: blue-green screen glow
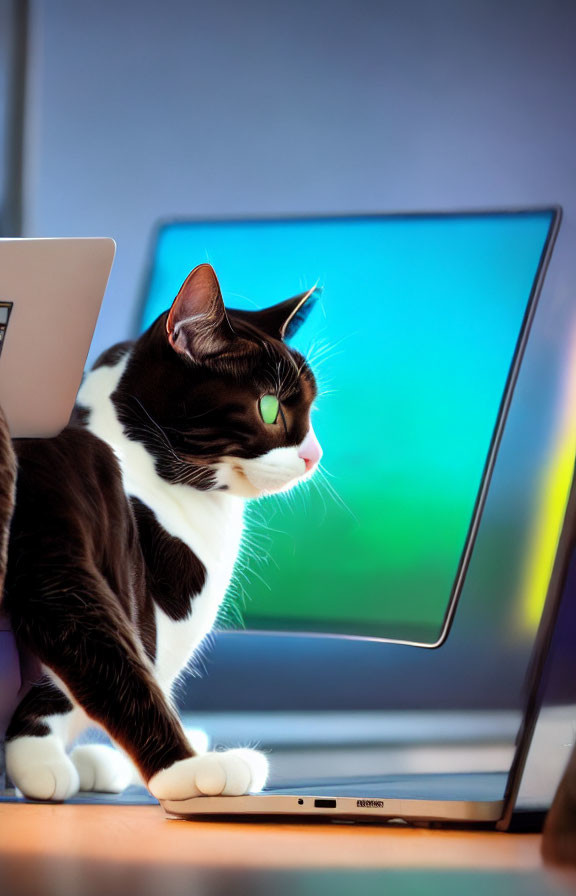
x=412 y=342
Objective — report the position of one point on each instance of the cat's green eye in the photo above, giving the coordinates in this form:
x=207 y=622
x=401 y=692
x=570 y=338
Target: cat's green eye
x=269 y=407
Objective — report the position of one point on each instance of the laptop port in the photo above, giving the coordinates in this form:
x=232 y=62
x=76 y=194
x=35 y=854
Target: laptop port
x=324 y=804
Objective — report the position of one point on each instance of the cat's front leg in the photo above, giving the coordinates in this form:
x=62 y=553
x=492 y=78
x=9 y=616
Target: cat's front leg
x=209 y=773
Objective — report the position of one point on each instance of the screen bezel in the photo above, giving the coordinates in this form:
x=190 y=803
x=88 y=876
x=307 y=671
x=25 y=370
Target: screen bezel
x=556 y=216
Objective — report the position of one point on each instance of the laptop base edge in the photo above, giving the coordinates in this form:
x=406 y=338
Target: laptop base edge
x=338 y=808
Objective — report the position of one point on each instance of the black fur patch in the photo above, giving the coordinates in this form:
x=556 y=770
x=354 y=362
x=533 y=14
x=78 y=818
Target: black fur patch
x=43 y=699
x=80 y=416
x=174 y=575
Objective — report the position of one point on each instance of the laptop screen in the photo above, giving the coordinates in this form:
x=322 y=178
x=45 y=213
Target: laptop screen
x=413 y=342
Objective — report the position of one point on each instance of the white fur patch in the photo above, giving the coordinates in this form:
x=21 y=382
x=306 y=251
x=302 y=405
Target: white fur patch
x=101 y=768
x=273 y=472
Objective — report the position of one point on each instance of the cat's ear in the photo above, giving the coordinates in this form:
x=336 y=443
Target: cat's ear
x=197 y=324
x=283 y=320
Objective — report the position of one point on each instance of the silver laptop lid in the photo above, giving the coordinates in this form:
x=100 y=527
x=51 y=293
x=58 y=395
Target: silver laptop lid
x=50 y=296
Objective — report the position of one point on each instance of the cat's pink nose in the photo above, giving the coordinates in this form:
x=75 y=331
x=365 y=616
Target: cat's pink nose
x=310 y=450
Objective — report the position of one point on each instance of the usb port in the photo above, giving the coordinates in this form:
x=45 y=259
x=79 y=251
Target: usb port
x=325 y=804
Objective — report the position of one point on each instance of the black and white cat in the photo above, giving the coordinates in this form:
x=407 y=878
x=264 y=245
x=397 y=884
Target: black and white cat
x=124 y=534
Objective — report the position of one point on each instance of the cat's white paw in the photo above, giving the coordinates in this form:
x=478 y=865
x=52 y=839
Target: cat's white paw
x=229 y=773
x=101 y=768
x=40 y=769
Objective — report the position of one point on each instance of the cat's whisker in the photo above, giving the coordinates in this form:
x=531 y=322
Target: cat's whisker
x=319 y=363
x=314 y=483
x=327 y=346
x=326 y=352
x=327 y=472
x=335 y=495
x=272 y=502
x=261 y=579
x=317 y=352
x=257 y=550
x=323 y=377
x=325 y=392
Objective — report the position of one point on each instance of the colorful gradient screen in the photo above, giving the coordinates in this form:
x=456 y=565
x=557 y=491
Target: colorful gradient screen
x=412 y=343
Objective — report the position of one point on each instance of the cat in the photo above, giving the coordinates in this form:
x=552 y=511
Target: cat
x=124 y=532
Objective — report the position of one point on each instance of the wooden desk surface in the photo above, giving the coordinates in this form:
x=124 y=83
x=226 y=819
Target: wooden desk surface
x=84 y=850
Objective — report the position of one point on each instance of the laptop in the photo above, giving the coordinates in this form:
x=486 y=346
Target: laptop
x=51 y=291
x=431 y=316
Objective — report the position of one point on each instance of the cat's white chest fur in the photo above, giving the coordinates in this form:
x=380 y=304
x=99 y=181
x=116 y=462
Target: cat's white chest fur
x=218 y=548
x=209 y=523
